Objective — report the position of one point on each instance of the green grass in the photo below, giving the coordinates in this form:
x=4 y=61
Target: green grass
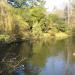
x=4 y=37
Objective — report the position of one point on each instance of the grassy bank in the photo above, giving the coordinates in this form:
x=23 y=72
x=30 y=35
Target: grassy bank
x=45 y=36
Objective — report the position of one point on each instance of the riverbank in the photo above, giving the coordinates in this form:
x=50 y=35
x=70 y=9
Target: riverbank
x=6 y=39
x=61 y=35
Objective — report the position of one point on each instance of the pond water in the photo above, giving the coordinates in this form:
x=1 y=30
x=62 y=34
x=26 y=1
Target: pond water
x=38 y=58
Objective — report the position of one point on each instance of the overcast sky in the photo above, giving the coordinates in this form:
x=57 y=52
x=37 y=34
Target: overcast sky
x=59 y=4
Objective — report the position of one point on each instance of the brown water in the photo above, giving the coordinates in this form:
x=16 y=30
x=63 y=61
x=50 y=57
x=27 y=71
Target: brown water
x=38 y=58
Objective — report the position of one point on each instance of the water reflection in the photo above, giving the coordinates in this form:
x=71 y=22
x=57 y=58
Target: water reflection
x=19 y=70
x=38 y=58
x=54 y=66
x=73 y=69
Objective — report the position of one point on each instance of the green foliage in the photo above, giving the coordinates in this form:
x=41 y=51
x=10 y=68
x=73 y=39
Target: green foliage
x=4 y=37
x=36 y=30
x=46 y=24
x=58 y=22
x=61 y=26
x=35 y=20
x=37 y=13
x=53 y=17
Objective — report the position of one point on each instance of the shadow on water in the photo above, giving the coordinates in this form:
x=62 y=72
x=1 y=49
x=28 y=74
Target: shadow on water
x=38 y=58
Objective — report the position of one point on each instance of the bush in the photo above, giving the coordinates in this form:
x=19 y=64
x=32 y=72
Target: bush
x=61 y=25
x=4 y=37
x=36 y=30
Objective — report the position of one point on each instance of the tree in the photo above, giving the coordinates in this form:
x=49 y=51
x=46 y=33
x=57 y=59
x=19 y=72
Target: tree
x=26 y=3
x=36 y=30
x=72 y=20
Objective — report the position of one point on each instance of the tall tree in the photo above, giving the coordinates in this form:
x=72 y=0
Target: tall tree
x=26 y=3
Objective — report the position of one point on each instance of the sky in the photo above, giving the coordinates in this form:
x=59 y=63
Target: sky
x=52 y=4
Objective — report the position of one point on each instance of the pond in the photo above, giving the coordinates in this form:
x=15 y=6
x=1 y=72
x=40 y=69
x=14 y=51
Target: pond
x=38 y=58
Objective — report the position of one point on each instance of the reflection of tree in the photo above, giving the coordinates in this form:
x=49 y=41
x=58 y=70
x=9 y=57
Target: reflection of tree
x=69 y=55
x=22 y=54
x=18 y=53
x=3 y=69
x=42 y=50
